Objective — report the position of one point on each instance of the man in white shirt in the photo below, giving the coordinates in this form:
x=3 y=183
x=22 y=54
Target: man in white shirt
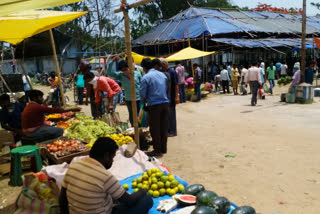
x=283 y=69
x=254 y=79
x=224 y=77
x=244 y=73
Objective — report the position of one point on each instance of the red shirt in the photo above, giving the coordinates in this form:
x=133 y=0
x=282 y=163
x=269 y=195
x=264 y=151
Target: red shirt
x=33 y=116
x=108 y=85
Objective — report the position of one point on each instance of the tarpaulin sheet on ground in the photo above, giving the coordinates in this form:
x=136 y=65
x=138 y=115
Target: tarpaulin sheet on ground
x=19 y=26
x=188 y=53
x=156 y=201
x=15 y=6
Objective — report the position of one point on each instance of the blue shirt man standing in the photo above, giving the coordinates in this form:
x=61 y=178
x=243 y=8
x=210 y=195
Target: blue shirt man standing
x=153 y=91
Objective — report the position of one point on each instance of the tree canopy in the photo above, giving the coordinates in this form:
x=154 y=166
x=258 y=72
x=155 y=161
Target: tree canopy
x=155 y=12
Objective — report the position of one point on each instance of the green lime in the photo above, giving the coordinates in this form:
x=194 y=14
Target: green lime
x=158 y=174
x=145 y=182
x=134 y=184
x=176 y=189
x=145 y=186
x=154 y=186
x=164 y=179
x=136 y=190
x=174 y=183
x=167 y=184
x=160 y=184
x=134 y=180
x=139 y=180
x=150 y=192
x=125 y=186
x=168 y=190
x=180 y=187
x=139 y=185
x=145 y=177
x=172 y=192
x=149 y=172
x=154 y=170
x=156 y=194
x=171 y=177
x=154 y=180
x=162 y=191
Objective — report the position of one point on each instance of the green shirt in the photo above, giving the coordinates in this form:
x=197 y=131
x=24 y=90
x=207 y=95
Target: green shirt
x=125 y=81
x=271 y=72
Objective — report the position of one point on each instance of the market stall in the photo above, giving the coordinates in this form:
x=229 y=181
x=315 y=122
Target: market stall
x=170 y=193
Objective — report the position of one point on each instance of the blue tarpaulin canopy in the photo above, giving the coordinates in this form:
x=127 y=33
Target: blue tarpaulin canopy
x=265 y=43
x=201 y=21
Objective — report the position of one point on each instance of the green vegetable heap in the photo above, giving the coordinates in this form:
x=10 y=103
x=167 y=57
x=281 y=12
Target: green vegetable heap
x=88 y=130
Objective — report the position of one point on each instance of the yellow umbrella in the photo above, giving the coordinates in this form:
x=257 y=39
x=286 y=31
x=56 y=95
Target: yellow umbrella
x=15 y=6
x=137 y=58
x=19 y=26
x=188 y=53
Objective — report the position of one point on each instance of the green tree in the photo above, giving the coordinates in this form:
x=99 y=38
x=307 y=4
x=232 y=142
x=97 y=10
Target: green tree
x=154 y=13
x=86 y=29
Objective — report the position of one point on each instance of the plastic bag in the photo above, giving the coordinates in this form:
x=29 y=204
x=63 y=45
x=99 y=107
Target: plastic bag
x=265 y=88
x=142 y=118
x=29 y=199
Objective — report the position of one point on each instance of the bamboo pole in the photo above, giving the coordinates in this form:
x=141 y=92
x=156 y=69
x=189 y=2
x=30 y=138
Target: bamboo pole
x=303 y=42
x=130 y=63
x=57 y=66
x=189 y=43
x=136 y=4
x=25 y=74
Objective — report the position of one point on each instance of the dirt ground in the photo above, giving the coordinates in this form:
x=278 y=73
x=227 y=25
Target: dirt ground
x=276 y=147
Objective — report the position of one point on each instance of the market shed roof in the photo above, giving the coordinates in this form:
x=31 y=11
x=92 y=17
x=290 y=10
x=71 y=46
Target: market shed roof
x=213 y=22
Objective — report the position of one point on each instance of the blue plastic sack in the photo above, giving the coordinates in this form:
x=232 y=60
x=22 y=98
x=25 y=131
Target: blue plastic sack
x=156 y=201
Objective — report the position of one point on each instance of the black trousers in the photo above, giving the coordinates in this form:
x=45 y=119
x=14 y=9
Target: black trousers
x=172 y=125
x=255 y=88
x=158 y=123
x=225 y=85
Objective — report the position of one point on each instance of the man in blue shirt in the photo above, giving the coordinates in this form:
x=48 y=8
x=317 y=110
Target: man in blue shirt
x=10 y=115
x=124 y=77
x=174 y=88
x=153 y=91
x=278 y=69
x=309 y=73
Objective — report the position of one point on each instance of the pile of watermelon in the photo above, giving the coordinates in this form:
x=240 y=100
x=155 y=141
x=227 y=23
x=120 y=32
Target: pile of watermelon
x=208 y=202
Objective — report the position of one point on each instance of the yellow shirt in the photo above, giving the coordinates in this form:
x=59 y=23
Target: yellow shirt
x=234 y=74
